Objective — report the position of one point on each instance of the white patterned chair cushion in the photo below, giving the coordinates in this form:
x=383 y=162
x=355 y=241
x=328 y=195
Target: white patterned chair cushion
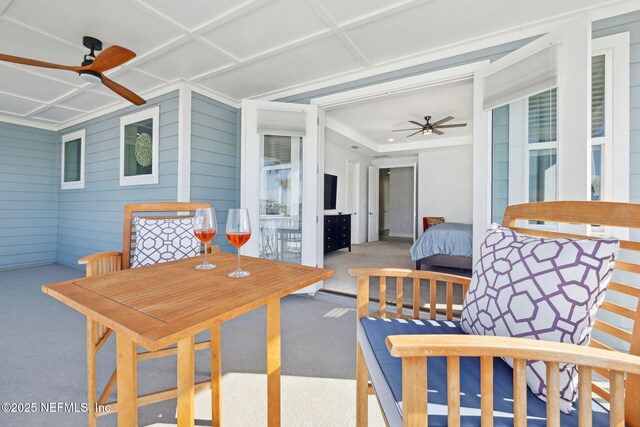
x=544 y=289
x=162 y=240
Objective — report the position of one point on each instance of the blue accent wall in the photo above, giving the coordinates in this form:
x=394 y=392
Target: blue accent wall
x=90 y=219
x=28 y=183
x=215 y=159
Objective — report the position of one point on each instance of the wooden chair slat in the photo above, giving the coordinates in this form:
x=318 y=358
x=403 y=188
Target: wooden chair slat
x=399 y=289
x=453 y=391
x=553 y=394
x=624 y=244
x=622 y=288
x=618 y=309
x=616 y=416
x=613 y=330
x=363 y=296
x=449 y=300
x=416 y=298
x=584 y=396
x=598 y=344
x=601 y=392
x=486 y=391
x=433 y=287
x=627 y=266
x=414 y=391
x=519 y=393
x=383 y=297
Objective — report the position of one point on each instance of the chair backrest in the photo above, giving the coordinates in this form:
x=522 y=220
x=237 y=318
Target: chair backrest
x=158 y=210
x=626 y=215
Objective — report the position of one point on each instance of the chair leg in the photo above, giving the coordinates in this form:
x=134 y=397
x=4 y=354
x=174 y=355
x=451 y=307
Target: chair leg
x=92 y=338
x=362 y=383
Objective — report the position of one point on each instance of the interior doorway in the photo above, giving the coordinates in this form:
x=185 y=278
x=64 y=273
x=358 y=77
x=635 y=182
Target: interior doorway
x=397 y=203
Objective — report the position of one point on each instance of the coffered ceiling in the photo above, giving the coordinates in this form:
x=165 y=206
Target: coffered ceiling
x=236 y=49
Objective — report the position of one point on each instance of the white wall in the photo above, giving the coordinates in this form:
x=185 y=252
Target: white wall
x=335 y=163
x=401 y=202
x=445 y=179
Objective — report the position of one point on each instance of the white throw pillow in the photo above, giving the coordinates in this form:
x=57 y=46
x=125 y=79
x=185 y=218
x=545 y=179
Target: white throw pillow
x=544 y=289
x=162 y=240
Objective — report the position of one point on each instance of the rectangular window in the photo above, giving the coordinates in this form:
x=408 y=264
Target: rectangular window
x=598 y=98
x=139 y=137
x=72 y=172
x=596 y=172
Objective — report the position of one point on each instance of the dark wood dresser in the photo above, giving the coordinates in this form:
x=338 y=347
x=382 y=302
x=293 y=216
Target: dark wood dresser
x=337 y=232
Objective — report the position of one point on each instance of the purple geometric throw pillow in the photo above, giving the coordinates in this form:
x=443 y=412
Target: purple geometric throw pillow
x=543 y=289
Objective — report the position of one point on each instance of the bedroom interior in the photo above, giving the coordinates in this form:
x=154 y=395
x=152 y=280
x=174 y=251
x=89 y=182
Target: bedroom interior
x=372 y=147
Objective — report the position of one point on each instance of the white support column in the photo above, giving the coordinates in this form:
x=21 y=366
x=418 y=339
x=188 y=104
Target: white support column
x=184 y=144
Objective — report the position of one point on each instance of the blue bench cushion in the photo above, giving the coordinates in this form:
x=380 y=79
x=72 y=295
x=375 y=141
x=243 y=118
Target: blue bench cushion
x=386 y=375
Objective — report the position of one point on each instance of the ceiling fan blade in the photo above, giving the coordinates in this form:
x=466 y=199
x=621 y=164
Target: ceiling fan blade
x=437 y=132
x=33 y=62
x=404 y=130
x=459 y=125
x=122 y=91
x=446 y=119
x=408 y=136
x=110 y=58
x=416 y=123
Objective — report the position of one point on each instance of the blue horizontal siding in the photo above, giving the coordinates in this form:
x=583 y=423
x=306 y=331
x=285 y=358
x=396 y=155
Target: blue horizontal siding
x=214 y=159
x=28 y=201
x=90 y=219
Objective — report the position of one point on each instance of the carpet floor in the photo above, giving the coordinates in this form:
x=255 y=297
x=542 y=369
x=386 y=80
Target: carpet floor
x=43 y=360
x=393 y=252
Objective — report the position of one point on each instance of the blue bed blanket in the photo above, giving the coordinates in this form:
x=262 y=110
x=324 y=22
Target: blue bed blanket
x=448 y=238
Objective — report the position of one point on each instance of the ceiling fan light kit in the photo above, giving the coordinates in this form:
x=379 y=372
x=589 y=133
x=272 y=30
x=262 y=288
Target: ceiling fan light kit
x=429 y=128
x=93 y=66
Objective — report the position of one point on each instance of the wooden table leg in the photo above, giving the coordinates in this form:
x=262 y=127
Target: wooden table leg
x=91 y=372
x=127 y=377
x=216 y=374
x=273 y=363
x=186 y=361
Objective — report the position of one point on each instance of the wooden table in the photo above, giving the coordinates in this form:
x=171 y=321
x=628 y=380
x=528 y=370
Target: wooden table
x=168 y=303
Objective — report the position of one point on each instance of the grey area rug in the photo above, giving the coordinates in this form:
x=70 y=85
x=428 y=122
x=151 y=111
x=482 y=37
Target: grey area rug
x=43 y=359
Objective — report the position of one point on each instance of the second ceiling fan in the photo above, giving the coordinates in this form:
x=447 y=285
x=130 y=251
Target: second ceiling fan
x=431 y=128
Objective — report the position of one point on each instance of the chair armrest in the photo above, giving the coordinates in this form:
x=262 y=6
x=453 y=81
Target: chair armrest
x=101 y=263
x=97 y=256
x=517 y=348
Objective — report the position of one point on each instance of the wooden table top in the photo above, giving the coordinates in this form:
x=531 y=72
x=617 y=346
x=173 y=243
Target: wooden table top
x=160 y=304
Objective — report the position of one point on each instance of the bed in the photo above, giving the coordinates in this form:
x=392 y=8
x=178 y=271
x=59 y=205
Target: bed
x=447 y=244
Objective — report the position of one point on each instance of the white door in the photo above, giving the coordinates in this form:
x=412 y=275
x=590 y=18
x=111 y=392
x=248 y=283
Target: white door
x=353 y=198
x=373 y=217
x=532 y=126
x=279 y=181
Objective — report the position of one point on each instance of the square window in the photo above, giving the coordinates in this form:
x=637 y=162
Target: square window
x=72 y=171
x=139 y=136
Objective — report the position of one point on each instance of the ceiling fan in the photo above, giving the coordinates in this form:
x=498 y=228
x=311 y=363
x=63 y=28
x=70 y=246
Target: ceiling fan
x=92 y=67
x=431 y=128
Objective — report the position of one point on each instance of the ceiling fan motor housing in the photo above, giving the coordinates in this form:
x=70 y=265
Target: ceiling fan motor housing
x=93 y=44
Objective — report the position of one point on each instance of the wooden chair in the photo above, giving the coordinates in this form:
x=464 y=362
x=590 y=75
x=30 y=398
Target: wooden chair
x=621 y=370
x=97 y=334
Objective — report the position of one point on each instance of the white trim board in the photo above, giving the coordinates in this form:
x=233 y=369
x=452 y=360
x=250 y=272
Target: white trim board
x=184 y=145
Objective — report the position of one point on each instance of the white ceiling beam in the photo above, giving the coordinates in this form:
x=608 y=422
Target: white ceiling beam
x=348 y=132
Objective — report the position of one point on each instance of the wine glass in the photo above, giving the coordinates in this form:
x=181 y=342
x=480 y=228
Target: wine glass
x=238 y=233
x=205 y=227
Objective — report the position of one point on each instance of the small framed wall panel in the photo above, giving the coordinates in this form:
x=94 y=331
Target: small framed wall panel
x=139 y=147
x=73 y=160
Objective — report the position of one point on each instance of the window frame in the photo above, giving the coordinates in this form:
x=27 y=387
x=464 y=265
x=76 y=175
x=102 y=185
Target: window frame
x=152 y=178
x=73 y=185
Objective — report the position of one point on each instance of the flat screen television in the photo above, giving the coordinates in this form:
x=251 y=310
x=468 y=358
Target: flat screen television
x=330 y=191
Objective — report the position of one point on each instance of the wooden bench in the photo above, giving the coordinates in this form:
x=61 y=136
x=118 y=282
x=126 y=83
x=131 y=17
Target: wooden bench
x=392 y=354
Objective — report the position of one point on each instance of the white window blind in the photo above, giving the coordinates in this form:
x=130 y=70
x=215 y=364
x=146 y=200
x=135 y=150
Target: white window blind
x=598 y=96
x=534 y=74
